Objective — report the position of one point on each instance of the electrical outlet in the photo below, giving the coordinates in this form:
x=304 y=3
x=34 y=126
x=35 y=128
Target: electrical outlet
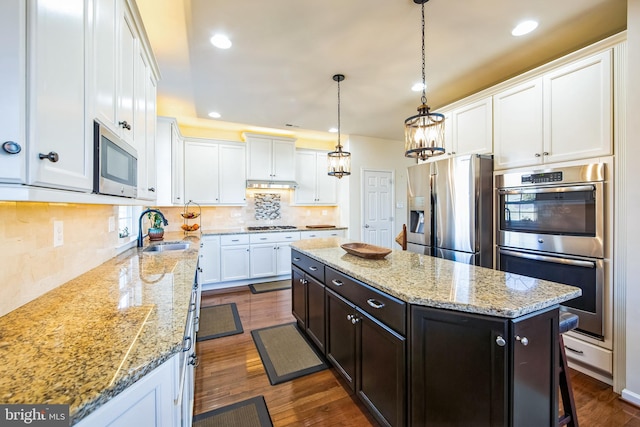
x=58 y=233
x=112 y=224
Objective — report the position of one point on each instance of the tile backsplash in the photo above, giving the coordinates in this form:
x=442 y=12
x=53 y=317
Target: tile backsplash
x=221 y=217
x=31 y=265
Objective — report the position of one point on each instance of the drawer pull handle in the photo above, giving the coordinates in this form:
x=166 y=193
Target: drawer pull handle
x=296 y=259
x=235 y=240
x=375 y=304
x=187 y=347
x=313 y=268
x=263 y=238
x=337 y=282
x=574 y=350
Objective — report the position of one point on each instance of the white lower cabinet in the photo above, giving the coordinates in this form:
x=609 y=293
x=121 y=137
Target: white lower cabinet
x=234 y=257
x=148 y=402
x=271 y=253
x=209 y=259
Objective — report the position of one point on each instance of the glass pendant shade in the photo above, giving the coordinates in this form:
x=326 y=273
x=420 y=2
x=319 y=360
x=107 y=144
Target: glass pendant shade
x=424 y=134
x=339 y=162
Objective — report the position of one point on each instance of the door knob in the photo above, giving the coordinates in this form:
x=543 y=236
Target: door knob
x=366 y=226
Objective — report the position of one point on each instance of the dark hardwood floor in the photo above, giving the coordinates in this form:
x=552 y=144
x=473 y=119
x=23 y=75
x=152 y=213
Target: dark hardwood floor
x=230 y=371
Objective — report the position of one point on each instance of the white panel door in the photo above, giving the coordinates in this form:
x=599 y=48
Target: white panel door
x=472 y=128
x=377 y=216
x=105 y=24
x=284 y=160
x=283 y=258
x=126 y=94
x=263 y=260
x=327 y=185
x=305 y=193
x=209 y=259
x=259 y=155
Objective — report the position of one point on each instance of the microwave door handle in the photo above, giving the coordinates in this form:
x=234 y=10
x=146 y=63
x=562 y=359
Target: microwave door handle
x=568 y=189
x=535 y=257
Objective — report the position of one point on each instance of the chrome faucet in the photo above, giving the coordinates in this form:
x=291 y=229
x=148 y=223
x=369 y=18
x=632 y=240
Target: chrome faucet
x=140 y=235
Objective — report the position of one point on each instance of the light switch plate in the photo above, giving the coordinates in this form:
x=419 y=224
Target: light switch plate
x=58 y=233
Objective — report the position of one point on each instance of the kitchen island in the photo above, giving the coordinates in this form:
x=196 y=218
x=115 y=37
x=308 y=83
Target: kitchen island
x=97 y=337
x=427 y=341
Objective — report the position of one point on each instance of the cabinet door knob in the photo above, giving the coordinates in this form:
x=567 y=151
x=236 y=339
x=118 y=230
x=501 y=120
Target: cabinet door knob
x=152 y=189
x=123 y=124
x=52 y=156
x=500 y=341
x=545 y=153
x=11 y=147
x=537 y=154
x=523 y=340
x=349 y=316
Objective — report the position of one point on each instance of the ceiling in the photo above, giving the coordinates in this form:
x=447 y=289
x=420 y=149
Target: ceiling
x=278 y=73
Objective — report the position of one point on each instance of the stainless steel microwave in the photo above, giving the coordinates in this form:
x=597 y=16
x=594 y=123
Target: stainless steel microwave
x=115 y=164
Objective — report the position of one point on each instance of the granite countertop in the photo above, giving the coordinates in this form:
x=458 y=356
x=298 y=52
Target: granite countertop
x=89 y=339
x=245 y=230
x=436 y=282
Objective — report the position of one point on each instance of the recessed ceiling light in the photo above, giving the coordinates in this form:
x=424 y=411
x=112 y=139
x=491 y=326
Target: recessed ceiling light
x=417 y=87
x=221 y=41
x=333 y=130
x=525 y=27
x=214 y=115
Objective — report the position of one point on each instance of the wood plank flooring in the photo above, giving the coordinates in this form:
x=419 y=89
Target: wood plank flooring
x=230 y=370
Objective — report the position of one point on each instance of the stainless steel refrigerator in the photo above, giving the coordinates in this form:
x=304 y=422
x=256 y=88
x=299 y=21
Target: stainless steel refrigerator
x=450 y=209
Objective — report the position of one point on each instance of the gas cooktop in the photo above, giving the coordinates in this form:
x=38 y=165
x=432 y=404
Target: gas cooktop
x=271 y=227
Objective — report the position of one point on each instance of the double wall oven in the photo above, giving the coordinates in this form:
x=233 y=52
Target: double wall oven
x=551 y=226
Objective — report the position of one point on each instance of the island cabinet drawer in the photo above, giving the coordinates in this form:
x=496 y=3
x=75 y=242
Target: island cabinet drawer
x=384 y=307
x=308 y=265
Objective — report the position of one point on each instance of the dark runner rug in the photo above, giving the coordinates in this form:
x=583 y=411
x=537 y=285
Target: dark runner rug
x=286 y=353
x=248 y=413
x=258 y=288
x=219 y=321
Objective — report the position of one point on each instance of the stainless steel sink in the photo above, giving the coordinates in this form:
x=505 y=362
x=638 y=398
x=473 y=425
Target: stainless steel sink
x=168 y=246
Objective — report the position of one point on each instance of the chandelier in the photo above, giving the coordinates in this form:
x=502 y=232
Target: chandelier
x=424 y=132
x=339 y=161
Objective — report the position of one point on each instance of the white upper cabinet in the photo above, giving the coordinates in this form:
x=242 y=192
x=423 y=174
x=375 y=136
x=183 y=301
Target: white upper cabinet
x=471 y=129
x=578 y=109
x=125 y=85
x=13 y=88
x=233 y=176
x=270 y=158
x=315 y=186
x=566 y=114
x=214 y=172
x=177 y=166
x=60 y=149
x=518 y=135
x=201 y=172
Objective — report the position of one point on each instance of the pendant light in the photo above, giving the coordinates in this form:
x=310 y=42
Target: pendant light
x=339 y=161
x=424 y=132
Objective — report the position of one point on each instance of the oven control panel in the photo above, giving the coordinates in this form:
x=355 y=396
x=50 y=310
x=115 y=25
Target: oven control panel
x=543 y=177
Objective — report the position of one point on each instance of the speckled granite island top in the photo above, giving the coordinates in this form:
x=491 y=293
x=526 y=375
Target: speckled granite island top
x=435 y=282
x=89 y=339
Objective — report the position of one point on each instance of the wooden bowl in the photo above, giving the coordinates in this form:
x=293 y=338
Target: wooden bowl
x=365 y=250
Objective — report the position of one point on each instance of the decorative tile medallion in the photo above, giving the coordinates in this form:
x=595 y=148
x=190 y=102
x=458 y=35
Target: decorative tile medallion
x=267 y=205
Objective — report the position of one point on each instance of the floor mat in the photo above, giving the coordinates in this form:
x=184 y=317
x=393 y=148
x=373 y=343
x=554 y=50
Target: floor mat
x=258 y=288
x=286 y=353
x=248 y=413
x=219 y=321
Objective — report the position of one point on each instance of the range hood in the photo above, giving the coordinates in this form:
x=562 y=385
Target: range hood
x=257 y=183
